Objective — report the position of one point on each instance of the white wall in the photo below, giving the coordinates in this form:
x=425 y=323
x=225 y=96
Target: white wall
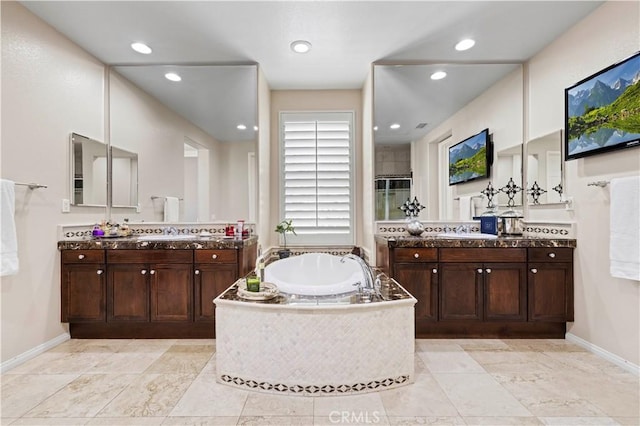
x=51 y=88
x=265 y=230
x=607 y=310
x=233 y=180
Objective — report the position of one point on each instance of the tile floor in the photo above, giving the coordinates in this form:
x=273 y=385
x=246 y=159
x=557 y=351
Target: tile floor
x=458 y=382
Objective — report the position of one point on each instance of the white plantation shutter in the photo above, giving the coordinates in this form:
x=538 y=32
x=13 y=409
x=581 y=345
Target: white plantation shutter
x=317 y=187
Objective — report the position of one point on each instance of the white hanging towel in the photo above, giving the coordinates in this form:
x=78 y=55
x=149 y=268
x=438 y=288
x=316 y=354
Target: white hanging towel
x=9 y=241
x=171 y=209
x=624 y=244
x=466 y=208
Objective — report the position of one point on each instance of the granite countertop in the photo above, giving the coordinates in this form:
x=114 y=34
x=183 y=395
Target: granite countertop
x=135 y=243
x=434 y=241
x=390 y=290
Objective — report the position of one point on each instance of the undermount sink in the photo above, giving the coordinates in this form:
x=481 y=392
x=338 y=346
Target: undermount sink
x=468 y=235
x=166 y=237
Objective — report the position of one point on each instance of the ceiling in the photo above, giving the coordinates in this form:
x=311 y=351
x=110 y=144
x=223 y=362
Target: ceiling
x=346 y=37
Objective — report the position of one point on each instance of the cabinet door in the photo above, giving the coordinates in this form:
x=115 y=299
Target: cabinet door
x=210 y=281
x=460 y=291
x=421 y=280
x=550 y=291
x=83 y=293
x=171 y=292
x=128 y=292
x=505 y=296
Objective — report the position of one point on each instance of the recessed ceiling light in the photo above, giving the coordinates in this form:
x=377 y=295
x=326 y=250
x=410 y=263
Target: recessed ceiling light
x=394 y=126
x=141 y=48
x=301 y=46
x=438 y=75
x=172 y=76
x=375 y=128
x=241 y=127
x=255 y=128
x=465 y=44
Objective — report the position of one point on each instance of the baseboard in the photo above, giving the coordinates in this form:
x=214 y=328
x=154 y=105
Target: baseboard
x=33 y=352
x=620 y=362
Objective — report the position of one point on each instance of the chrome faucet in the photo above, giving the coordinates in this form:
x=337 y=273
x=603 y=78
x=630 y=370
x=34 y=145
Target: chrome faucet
x=369 y=279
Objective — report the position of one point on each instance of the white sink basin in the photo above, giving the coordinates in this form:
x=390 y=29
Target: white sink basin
x=468 y=235
x=166 y=237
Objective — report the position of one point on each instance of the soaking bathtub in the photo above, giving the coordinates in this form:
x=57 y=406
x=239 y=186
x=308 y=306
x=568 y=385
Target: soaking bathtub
x=316 y=345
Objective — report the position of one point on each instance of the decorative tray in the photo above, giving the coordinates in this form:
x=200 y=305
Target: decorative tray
x=267 y=291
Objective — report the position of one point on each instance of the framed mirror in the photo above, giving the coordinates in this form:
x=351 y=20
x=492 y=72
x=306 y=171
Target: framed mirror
x=508 y=174
x=88 y=171
x=545 y=177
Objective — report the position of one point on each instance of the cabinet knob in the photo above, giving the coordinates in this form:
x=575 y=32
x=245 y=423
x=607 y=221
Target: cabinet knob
x=479 y=270
x=81 y=256
x=534 y=271
x=197 y=272
x=143 y=272
x=552 y=255
x=416 y=255
x=215 y=256
x=488 y=270
x=99 y=272
x=434 y=270
x=152 y=272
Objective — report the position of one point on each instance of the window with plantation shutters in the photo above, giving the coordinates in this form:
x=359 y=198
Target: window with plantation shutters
x=317 y=170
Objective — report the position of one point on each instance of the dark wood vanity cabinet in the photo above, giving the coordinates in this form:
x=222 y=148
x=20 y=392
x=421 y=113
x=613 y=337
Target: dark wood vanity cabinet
x=485 y=291
x=417 y=271
x=83 y=286
x=214 y=271
x=149 y=285
x=483 y=284
x=550 y=278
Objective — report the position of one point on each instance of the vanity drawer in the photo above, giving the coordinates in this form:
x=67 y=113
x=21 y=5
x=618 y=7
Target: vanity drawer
x=150 y=256
x=216 y=256
x=483 y=254
x=83 y=256
x=415 y=255
x=550 y=254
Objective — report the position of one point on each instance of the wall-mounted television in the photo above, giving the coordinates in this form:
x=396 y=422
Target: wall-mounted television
x=602 y=112
x=470 y=159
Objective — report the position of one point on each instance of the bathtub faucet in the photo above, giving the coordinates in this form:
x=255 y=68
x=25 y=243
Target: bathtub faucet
x=369 y=279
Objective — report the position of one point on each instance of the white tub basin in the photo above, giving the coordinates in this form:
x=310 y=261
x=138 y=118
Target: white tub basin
x=166 y=237
x=314 y=274
x=468 y=235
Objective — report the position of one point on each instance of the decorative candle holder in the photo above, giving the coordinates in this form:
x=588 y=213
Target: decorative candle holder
x=411 y=210
x=536 y=191
x=511 y=189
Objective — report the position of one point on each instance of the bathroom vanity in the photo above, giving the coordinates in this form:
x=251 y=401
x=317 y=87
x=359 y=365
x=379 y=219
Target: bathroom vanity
x=486 y=288
x=130 y=288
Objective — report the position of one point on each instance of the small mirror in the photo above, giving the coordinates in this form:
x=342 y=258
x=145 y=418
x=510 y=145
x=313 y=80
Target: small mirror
x=124 y=178
x=508 y=176
x=544 y=169
x=88 y=172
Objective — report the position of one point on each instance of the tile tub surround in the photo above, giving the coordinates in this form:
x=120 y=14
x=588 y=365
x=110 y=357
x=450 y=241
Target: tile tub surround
x=314 y=350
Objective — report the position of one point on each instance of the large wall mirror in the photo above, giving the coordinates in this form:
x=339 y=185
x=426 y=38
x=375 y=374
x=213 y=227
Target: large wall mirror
x=195 y=137
x=508 y=176
x=417 y=116
x=545 y=177
x=88 y=171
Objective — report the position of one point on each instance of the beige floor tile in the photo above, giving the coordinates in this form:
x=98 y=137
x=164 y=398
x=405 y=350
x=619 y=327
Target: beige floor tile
x=437 y=345
x=210 y=367
x=450 y=362
x=264 y=404
x=23 y=392
x=61 y=363
x=149 y=395
x=578 y=421
x=436 y=421
x=502 y=421
x=418 y=365
x=542 y=345
x=471 y=345
x=514 y=362
x=83 y=397
x=628 y=421
x=424 y=398
x=51 y=421
x=203 y=347
x=179 y=363
x=147 y=345
x=126 y=362
x=613 y=397
x=276 y=421
x=125 y=421
x=326 y=409
x=206 y=341
x=5 y=421
x=206 y=398
x=479 y=395
x=201 y=421
x=351 y=418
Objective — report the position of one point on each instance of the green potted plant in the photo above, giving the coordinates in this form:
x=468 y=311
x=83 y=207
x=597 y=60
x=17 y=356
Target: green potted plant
x=282 y=228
